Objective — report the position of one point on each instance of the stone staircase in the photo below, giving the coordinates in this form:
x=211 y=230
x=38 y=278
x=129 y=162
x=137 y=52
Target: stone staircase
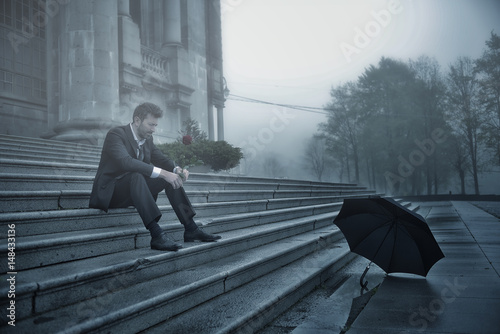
x=80 y=270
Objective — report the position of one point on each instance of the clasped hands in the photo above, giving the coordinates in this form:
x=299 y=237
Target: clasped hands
x=176 y=179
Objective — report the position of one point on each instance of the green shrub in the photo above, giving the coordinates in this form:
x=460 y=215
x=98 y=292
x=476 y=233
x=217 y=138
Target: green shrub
x=182 y=155
x=193 y=149
x=220 y=155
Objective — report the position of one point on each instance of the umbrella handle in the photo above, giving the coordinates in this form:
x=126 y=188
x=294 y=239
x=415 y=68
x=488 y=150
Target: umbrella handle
x=364 y=284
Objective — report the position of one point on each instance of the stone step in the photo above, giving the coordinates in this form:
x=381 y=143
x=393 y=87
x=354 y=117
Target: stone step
x=113 y=306
x=25 y=167
x=22 y=142
x=36 y=182
x=51 y=246
x=82 y=269
x=250 y=307
x=26 y=201
x=49 y=155
x=19 y=166
x=49 y=147
x=54 y=221
x=72 y=279
x=74 y=165
x=80 y=149
x=44 y=200
x=28 y=166
x=50 y=150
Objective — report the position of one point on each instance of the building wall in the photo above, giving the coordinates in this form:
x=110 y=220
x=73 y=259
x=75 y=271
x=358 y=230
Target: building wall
x=98 y=59
x=23 y=93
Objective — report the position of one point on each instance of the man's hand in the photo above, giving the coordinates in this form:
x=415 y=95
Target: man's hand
x=173 y=179
x=183 y=173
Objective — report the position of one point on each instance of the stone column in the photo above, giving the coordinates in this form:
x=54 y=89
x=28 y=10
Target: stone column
x=211 y=125
x=88 y=70
x=129 y=46
x=180 y=77
x=172 y=23
x=220 y=123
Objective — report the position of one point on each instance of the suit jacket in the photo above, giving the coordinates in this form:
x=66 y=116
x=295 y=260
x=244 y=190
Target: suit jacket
x=118 y=158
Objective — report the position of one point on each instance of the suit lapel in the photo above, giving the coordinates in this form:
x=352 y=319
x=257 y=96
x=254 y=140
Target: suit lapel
x=134 y=147
x=133 y=144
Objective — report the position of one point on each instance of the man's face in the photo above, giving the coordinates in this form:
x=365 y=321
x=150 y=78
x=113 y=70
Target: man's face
x=146 y=127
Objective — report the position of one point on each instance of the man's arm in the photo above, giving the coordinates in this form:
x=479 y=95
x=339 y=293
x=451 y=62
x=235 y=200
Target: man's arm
x=166 y=168
x=159 y=159
x=114 y=147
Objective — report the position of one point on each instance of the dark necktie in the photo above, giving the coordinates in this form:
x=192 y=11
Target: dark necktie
x=141 y=153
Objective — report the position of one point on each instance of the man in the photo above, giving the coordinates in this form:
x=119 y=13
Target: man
x=133 y=171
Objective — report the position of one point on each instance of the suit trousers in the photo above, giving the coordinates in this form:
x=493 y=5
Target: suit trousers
x=141 y=192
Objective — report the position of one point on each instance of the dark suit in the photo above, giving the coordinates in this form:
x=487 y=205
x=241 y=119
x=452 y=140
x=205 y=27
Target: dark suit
x=123 y=180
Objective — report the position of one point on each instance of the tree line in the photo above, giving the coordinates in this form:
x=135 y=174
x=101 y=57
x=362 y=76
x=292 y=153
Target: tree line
x=410 y=128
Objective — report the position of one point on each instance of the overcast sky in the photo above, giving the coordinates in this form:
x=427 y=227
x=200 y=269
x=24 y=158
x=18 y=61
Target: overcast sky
x=293 y=51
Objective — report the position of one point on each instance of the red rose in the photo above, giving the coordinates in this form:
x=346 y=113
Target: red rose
x=187 y=139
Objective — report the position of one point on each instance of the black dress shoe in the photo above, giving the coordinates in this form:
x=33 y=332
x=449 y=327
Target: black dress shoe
x=200 y=235
x=163 y=242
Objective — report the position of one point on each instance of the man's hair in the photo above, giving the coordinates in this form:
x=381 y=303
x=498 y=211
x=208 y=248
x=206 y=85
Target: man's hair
x=143 y=110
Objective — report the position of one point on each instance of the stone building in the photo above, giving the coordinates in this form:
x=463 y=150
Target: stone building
x=71 y=69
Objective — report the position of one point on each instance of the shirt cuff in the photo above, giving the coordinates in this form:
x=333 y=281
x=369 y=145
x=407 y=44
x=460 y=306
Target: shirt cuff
x=156 y=172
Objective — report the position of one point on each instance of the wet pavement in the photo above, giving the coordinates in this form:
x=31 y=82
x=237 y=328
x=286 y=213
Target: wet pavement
x=461 y=293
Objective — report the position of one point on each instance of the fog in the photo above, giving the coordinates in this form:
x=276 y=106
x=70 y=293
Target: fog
x=294 y=51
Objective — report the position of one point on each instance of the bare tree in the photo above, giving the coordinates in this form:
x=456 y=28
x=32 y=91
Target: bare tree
x=431 y=90
x=315 y=155
x=488 y=67
x=460 y=162
x=466 y=116
x=343 y=125
x=272 y=165
x=392 y=120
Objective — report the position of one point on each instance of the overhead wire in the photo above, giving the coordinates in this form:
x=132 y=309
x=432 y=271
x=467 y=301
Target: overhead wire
x=317 y=110
x=291 y=106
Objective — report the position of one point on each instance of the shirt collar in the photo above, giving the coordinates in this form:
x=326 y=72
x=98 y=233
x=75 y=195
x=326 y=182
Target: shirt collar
x=139 y=141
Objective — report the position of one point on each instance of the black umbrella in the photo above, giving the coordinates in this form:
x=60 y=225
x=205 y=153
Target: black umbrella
x=389 y=235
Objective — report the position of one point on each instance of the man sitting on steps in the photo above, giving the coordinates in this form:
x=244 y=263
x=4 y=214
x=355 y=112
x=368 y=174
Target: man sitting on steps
x=133 y=171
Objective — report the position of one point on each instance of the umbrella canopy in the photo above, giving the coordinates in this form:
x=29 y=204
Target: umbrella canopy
x=388 y=234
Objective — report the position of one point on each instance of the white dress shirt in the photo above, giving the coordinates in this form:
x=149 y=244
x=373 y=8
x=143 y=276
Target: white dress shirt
x=156 y=170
